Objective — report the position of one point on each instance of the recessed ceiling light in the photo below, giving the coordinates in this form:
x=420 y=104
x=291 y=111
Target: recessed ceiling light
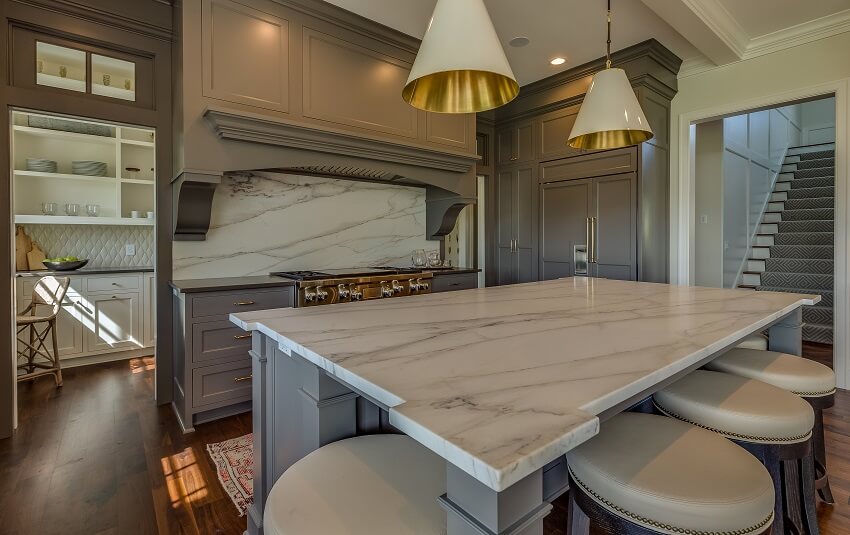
x=558 y=61
x=519 y=41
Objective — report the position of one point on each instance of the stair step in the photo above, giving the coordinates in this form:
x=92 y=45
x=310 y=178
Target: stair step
x=815 y=163
x=788 y=167
x=750 y=279
x=805 y=226
x=827 y=181
x=822 y=252
x=779 y=196
x=802 y=238
x=760 y=253
x=813 y=173
x=756 y=266
x=776 y=206
x=826 y=295
x=817 y=333
x=817 y=202
x=817 y=314
x=799 y=265
x=814 y=154
x=768 y=228
x=782 y=186
x=810 y=193
x=807 y=214
x=764 y=240
x=797 y=280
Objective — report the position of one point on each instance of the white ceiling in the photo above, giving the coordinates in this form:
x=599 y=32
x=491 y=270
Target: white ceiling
x=573 y=29
x=718 y=31
x=761 y=17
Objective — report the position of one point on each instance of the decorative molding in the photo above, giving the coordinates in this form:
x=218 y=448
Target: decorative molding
x=193 y=195
x=721 y=23
x=696 y=65
x=243 y=126
x=82 y=11
x=800 y=34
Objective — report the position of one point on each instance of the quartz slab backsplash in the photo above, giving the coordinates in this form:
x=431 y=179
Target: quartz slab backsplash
x=264 y=221
x=103 y=246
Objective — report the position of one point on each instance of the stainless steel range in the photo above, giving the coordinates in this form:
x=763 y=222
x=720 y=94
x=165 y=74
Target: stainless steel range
x=331 y=286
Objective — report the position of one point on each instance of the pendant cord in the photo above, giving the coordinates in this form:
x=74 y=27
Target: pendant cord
x=608 y=49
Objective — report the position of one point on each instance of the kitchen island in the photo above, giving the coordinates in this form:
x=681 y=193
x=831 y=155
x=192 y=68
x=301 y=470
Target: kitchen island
x=501 y=382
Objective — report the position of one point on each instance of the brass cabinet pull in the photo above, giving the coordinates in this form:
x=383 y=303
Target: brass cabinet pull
x=594 y=225
x=241 y=336
x=243 y=303
x=240 y=379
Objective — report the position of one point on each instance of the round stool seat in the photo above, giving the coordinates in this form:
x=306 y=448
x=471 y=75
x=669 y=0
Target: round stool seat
x=738 y=408
x=799 y=375
x=376 y=484
x=673 y=478
x=754 y=341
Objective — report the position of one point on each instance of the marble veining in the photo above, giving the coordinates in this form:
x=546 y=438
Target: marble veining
x=264 y=221
x=502 y=380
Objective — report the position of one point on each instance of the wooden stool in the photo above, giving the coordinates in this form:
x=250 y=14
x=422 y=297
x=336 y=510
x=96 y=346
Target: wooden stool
x=375 y=484
x=810 y=380
x=47 y=292
x=772 y=424
x=646 y=474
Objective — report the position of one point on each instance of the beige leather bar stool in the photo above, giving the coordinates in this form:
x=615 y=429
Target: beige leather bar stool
x=646 y=474
x=34 y=324
x=772 y=424
x=810 y=380
x=754 y=341
x=369 y=485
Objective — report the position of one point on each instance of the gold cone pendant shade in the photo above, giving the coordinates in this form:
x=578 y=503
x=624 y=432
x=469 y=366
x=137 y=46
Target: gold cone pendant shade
x=610 y=116
x=461 y=66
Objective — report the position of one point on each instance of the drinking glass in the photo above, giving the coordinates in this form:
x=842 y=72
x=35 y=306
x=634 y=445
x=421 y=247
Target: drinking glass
x=72 y=209
x=419 y=258
x=92 y=210
x=434 y=259
x=48 y=208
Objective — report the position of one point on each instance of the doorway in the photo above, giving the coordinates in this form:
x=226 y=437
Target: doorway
x=83 y=197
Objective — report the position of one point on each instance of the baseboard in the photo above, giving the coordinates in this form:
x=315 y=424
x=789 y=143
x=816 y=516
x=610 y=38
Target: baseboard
x=87 y=360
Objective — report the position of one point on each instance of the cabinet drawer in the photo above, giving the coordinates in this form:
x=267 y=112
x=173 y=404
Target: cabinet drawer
x=230 y=382
x=217 y=340
x=112 y=283
x=460 y=281
x=225 y=303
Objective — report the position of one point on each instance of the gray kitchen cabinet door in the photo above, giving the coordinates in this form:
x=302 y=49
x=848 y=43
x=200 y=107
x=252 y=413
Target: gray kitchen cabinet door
x=615 y=209
x=565 y=212
x=505 y=146
x=524 y=142
x=505 y=226
x=517 y=228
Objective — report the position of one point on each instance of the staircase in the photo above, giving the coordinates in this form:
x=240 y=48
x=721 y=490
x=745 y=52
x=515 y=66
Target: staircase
x=794 y=248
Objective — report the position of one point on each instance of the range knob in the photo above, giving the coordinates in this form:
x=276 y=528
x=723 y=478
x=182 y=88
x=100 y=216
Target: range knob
x=386 y=289
x=344 y=291
x=310 y=294
x=356 y=293
x=321 y=295
x=423 y=285
x=397 y=287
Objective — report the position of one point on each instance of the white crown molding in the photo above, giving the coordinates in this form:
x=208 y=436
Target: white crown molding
x=695 y=65
x=721 y=22
x=800 y=34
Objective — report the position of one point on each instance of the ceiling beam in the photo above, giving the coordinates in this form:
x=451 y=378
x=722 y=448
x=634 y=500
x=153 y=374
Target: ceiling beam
x=707 y=25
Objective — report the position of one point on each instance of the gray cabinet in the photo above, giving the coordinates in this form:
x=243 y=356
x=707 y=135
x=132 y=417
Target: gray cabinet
x=588 y=227
x=515 y=143
x=212 y=368
x=450 y=282
x=517 y=224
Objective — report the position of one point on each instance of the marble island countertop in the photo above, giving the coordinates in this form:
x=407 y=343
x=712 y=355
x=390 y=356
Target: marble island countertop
x=502 y=380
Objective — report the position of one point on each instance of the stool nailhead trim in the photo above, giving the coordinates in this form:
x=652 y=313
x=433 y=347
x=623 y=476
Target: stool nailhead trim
x=658 y=525
x=814 y=394
x=747 y=438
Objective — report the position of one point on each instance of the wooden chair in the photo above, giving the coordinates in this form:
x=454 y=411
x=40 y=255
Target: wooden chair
x=34 y=326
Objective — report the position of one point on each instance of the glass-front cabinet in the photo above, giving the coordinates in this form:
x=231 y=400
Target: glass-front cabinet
x=67 y=68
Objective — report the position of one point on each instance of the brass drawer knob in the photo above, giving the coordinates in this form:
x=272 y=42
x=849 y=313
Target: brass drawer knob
x=243 y=303
x=241 y=336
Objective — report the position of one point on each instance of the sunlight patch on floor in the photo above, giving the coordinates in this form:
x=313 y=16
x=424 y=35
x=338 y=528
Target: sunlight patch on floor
x=183 y=478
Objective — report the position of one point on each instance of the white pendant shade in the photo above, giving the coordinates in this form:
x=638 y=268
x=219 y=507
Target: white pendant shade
x=461 y=66
x=610 y=116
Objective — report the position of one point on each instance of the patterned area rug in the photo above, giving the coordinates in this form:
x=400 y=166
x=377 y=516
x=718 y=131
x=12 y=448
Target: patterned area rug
x=234 y=461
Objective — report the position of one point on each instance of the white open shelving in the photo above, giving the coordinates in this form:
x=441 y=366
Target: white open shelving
x=117 y=194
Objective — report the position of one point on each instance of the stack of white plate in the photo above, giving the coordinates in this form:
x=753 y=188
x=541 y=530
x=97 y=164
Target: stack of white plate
x=41 y=165
x=88 y=168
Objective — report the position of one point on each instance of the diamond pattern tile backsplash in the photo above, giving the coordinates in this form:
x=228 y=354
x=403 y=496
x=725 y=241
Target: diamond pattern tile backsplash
x=104 y=246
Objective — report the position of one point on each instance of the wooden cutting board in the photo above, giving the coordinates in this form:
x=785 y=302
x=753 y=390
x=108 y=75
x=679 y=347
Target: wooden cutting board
x=23 y=244
x=36 y=257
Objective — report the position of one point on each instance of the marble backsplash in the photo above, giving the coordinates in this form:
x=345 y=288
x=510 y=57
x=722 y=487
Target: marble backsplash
x=264 y=222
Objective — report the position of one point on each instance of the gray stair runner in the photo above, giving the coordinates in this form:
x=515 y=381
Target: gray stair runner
x=801 y=256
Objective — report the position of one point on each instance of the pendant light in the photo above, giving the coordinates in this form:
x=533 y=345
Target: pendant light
x=610 y=116
x=461 y=66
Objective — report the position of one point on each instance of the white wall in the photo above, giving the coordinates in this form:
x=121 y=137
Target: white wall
x=264 y=222
x=819 y=68
x=818 y=121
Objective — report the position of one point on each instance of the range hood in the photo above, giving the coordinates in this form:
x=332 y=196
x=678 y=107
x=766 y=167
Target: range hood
x=264 y=143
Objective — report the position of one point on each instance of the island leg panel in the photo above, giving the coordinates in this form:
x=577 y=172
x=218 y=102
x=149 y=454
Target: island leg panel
x=472 y=508
x=786 y=335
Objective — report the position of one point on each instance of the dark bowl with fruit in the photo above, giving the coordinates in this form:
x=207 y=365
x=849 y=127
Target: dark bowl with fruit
x=67 y=263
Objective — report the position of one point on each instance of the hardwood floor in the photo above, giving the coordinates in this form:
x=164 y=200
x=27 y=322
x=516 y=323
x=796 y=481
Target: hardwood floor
x=97 y=457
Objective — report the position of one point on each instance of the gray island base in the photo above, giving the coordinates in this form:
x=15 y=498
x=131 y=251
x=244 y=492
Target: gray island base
x=501 y=382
